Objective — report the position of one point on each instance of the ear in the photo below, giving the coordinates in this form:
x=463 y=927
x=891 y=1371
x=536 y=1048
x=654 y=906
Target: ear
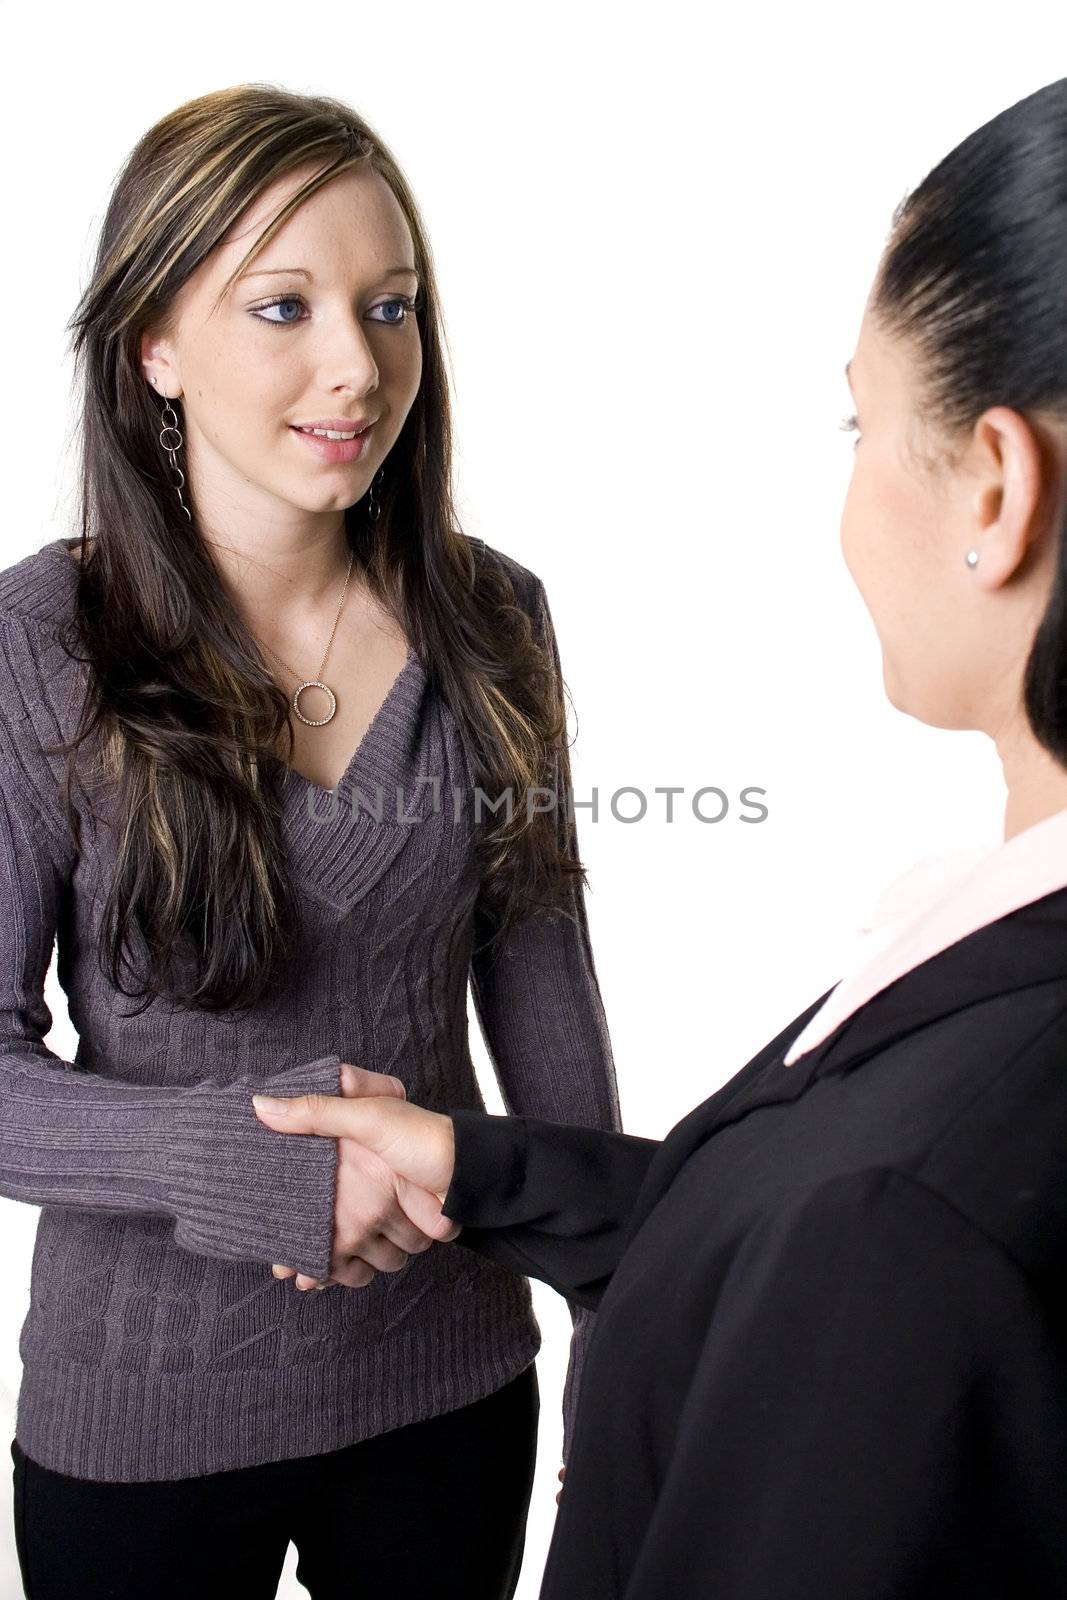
x=158 y=364
x=1015 y=469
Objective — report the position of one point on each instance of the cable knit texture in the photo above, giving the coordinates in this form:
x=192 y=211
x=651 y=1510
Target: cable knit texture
x=158 y=1345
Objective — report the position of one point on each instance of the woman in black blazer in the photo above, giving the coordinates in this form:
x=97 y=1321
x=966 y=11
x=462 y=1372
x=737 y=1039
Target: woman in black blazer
x=830 y=1356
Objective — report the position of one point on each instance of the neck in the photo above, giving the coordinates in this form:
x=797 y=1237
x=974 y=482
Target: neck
x=1035 y=780
x=270 y=580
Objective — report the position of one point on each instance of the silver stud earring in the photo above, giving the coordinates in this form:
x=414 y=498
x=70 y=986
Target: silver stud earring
x=971 y=558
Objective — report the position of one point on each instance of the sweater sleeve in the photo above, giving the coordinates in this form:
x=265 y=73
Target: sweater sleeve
x=878 y=1408
x=541 y=1014
x=547 y=1199
x=69 y=1137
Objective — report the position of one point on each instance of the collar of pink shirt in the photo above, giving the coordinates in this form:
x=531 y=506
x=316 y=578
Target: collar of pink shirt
x=936 y=903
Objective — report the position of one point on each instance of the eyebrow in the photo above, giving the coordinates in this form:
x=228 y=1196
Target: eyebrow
x=270 y=272
x=847 y=378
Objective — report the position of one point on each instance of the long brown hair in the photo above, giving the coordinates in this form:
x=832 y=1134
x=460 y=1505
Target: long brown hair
x=183 y=712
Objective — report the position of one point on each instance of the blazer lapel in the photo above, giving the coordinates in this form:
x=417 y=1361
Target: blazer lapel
x=1026 y=947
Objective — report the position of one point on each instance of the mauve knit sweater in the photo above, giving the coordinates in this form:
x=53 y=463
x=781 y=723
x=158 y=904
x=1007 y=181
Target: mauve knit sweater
x=158 y=1345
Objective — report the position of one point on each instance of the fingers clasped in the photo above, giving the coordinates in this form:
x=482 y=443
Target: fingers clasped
x=382 y=1215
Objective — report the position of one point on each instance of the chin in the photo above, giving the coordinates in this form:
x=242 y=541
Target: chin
x=317 y=505
x=892 y=691
x=923 y=709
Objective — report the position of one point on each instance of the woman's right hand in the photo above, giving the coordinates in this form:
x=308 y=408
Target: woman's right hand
x=394 y=1167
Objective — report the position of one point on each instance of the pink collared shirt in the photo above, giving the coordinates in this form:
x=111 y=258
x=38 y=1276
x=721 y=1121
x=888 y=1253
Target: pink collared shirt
x=935 y=903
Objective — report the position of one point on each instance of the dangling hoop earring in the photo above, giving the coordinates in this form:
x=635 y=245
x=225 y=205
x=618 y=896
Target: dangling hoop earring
x=374 y=506
x=172 y=448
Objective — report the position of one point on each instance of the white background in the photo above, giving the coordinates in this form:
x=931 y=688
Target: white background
x=654 y=229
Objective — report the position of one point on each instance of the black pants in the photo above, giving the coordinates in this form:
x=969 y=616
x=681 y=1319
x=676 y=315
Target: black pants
x=433 y=1511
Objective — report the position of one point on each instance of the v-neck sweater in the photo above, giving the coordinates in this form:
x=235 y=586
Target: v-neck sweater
x=157 y=1344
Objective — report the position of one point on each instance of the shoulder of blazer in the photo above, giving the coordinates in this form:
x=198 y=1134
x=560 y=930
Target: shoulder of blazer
x=1022 y=956
x=1002 y=1160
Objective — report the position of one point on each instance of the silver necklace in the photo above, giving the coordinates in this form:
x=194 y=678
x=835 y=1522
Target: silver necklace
x=316 y=682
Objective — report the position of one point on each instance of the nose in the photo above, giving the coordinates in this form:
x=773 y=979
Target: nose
x=349 y=359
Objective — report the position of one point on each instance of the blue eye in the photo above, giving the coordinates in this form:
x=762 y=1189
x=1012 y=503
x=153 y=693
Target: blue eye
x=407 y=304
x=283 y=300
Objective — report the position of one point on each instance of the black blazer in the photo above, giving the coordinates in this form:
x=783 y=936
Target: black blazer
x=830 y=1356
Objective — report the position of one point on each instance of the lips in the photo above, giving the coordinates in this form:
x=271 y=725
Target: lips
x=334 y=427
x=335 y=450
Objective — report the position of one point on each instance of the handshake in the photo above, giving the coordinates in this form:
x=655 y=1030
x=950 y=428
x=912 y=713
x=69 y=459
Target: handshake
x=394 y=1167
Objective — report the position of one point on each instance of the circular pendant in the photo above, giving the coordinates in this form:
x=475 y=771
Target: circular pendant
x=314 y=683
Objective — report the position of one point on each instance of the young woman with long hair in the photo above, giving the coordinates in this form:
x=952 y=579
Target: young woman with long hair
x=830 y=1358
x=282 y=760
